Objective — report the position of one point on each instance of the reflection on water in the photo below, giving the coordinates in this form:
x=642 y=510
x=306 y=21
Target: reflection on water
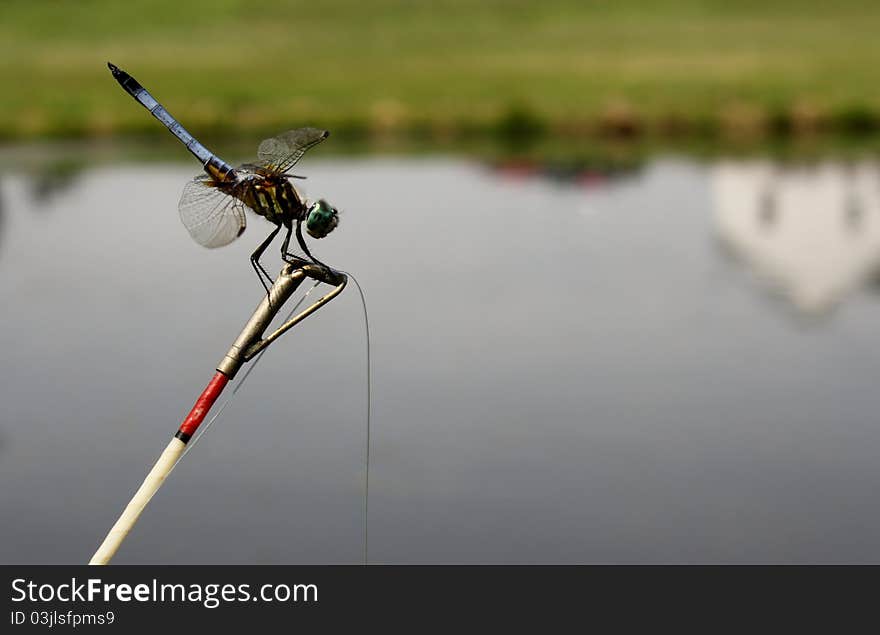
x=592 y=176
x=812 y=232
x=54 y=179
x=565 y=370
x=809 y=232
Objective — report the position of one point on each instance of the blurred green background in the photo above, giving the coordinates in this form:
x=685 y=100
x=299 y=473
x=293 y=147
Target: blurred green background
x=667 y=69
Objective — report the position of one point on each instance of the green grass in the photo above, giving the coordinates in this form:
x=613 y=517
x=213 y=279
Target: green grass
x=443 y=68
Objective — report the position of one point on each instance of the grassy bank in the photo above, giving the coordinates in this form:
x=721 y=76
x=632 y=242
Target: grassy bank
x=670 y=68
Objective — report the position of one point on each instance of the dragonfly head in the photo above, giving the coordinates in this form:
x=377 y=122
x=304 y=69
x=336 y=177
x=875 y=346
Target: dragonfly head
x=322 y=219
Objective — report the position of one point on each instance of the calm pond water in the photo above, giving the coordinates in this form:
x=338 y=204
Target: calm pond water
x=673 y=365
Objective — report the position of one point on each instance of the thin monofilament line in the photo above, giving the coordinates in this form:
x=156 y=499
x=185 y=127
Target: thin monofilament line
x=369 y=418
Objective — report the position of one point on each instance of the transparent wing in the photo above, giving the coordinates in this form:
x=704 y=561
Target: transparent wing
x=281 y=153
x=212 y=217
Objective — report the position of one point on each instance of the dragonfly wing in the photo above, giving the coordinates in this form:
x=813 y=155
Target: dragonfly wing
x=212 y=217
x=281 y=153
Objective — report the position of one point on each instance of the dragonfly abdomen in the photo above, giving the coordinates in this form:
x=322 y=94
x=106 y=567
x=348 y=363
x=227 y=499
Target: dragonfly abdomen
x=216 y=167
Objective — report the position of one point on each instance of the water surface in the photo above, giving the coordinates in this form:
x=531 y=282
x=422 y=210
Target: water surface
x=673 y=365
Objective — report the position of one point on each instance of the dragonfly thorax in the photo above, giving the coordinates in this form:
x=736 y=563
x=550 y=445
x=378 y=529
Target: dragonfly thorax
x=273 y=197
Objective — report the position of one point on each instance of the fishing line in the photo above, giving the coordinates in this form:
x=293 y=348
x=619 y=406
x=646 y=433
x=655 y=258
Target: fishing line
x=369 y=419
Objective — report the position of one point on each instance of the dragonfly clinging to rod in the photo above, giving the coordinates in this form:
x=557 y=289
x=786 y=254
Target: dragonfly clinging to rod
x=212 y=206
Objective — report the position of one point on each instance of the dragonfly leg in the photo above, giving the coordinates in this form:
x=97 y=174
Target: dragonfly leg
x=255 y=259
x=303 y=246
x=285 y=255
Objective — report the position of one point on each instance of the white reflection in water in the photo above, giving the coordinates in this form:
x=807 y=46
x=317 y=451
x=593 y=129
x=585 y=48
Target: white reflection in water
x=812 y=232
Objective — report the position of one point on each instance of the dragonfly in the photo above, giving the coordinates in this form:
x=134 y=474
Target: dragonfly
x=212 y=205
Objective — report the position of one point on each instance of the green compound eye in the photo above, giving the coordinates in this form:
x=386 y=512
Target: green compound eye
x=322 y=219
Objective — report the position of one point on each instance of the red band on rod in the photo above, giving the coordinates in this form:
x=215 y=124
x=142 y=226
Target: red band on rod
x=203 y=404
